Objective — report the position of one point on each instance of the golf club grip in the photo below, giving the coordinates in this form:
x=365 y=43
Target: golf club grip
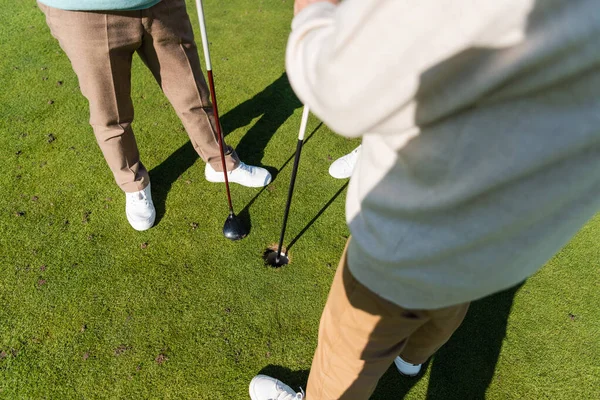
x=303 y=122
x=288 y=204
x=200 y=10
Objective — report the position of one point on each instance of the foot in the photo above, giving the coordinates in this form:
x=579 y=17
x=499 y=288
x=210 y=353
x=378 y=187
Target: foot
x=264 y=387
x=406 y=368
x=245 y=175
x=343 y=167
x=140 y=209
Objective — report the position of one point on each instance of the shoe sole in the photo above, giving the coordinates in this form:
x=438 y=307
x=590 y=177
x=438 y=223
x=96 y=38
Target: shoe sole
x=144 y=226
x=222 y=180
x=336 y=176
x=405 y=374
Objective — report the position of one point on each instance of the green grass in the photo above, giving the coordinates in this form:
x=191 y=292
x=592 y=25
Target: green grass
x=86 y=312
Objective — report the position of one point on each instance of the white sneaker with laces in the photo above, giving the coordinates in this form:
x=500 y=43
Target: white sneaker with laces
x=263 y=387
x=406 y=368
x=140 y=209
x=343 y=167
x=245 y=175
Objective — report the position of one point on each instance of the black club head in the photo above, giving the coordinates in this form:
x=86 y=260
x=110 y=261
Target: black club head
x=233 y=229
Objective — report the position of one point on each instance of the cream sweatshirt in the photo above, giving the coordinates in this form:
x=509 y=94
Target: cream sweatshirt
x=481 y=135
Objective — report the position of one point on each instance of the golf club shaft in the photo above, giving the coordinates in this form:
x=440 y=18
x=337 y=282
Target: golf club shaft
x=305 y=113
x=213 y=97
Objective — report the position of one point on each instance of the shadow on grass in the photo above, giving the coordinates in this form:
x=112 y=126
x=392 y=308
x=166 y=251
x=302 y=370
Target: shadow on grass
x=294 y=379
x=245 y=213
x=321 y=211
x=274 y=105
x=464 y=367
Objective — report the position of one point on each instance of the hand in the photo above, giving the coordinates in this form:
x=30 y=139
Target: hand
x=299 y=5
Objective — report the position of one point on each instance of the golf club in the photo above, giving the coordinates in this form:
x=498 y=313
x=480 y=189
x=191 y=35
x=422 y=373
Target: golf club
x=233 y=228
x=279 y=258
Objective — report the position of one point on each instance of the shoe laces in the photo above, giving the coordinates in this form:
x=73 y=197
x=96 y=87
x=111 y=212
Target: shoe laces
x=245 y=167
x=137 y=197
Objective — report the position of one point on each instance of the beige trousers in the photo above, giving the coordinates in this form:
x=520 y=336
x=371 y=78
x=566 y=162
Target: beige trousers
x=100 y=46
x=360 y=334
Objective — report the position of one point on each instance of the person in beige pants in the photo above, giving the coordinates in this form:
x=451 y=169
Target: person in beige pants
x=100 y=45
x=480 y=159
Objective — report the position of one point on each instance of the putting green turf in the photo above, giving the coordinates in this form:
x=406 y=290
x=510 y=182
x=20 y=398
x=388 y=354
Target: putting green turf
x=90 y=308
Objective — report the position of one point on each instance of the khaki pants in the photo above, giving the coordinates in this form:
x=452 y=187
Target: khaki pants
x=360 y=335
x=100 y=46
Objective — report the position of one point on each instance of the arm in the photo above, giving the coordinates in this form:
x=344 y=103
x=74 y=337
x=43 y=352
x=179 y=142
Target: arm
x=358 y=65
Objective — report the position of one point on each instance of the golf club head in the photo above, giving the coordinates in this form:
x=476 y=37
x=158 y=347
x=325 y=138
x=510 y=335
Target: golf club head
x=233 y=228
x=272 y=260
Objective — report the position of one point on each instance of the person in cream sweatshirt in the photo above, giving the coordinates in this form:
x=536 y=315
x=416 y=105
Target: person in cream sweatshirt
x=480 y=159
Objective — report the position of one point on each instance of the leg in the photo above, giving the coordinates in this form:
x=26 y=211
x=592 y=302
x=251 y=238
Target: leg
x=432 y=335
x=360 y=334
x=169 y=51
x=100 y=47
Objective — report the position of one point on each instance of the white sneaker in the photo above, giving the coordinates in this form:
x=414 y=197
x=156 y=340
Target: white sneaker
x=406 y=368
x=342 y=167
x=245 y=175
x=140 y=209
x=264 y=387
